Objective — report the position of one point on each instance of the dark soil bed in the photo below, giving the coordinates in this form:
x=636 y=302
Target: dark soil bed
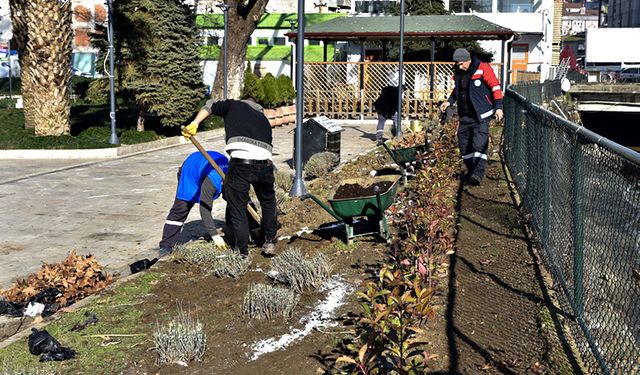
x=347 y=191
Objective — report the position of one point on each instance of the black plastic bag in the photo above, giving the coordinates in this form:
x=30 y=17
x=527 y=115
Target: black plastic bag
x=41 y=342
x=91 y=319
x=47 y=296
x=13 y=309
x=142 y=265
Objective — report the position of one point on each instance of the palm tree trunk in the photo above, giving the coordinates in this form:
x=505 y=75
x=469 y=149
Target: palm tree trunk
x=242 y=22
x=20 y=38
x=49 y=74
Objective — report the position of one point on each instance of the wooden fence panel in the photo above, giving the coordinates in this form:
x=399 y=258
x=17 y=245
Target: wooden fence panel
x=344 y=90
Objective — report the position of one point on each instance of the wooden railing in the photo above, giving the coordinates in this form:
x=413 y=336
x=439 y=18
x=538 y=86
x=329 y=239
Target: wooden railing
x=519 y=76
x=348 y=89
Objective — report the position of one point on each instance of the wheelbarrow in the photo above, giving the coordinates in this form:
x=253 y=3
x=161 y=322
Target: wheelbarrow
x=349 y=210
x=404 y=156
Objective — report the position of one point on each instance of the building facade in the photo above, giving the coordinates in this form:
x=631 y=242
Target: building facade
x=578 y=17
x=532 y=20
x=623 y=13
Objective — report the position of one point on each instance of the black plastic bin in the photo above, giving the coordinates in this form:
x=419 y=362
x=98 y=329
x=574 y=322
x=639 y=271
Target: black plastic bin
x=319 y=134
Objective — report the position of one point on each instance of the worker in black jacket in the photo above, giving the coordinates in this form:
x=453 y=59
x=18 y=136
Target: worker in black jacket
x=387 y=107
x=249 y=143
x=478 y=95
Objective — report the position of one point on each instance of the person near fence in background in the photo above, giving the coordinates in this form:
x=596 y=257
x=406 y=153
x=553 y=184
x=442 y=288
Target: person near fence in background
x=387 y=107
x=249 y=140
x=478 y=96
x=198 y=183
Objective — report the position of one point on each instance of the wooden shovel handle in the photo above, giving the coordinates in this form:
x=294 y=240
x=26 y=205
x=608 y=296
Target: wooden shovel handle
x=220 y=172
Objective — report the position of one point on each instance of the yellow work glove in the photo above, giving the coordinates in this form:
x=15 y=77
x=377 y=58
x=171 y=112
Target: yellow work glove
x=190 y=130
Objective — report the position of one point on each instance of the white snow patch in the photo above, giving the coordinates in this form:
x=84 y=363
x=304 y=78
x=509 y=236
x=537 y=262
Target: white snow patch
x=320 y=317
x=303 y=230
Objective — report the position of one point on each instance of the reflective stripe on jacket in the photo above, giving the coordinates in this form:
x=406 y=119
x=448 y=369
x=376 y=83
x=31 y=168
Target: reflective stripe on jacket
x=485 y=94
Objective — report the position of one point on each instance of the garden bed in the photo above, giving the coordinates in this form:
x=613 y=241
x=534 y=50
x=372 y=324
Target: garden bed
x=325 y=326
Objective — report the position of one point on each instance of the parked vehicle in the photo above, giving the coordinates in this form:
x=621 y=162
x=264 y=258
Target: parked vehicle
x=629 y=75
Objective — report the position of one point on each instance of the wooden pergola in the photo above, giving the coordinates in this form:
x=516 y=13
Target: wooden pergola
x=429 y=27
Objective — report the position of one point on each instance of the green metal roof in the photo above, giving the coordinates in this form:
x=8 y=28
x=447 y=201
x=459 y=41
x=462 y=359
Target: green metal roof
x=268 y=20
x=459 y=27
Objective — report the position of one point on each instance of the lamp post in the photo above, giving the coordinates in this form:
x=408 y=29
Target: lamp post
x=400 y=71
x=298 y=189
x=225 y=10
x=113 y=139
x=292 y=25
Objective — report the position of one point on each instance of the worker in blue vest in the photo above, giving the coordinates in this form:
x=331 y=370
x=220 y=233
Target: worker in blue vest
x=198 y=182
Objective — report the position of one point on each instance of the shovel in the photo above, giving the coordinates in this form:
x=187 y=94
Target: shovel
x=215 y=166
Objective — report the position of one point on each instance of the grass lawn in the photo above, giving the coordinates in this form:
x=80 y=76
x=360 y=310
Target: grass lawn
x=90 y=128
x=118 y=313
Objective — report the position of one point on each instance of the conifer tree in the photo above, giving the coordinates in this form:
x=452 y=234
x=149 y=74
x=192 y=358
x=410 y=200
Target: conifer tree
x=157 y=50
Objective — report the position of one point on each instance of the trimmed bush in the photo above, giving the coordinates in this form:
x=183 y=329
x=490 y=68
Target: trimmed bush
x=299 y=272
x=181 y=341
x=271 y=95
x=320 y=164
x=252 y=85
x=208 y=257
x=265 y=302
x=286 y=90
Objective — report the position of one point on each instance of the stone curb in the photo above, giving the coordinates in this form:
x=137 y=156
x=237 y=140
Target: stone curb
x=104 y=153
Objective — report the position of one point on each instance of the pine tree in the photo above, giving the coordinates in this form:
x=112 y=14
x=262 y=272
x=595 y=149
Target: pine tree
x=157 y=50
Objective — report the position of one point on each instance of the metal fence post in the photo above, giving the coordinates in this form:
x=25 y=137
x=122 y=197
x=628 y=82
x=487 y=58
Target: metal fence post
x=578 y=232
x=546 y=199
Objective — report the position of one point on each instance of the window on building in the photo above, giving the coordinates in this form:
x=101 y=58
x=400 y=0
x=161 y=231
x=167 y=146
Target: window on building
x=374 y=6
x=279 y=41
x=314 y=42
x=466 y=6
x=263 y=41
x=212 y=40
x=515 y=6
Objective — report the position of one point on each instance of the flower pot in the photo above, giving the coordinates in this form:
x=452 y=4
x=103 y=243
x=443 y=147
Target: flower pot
x=271 y=115
x=279 y=116
x=290 y=114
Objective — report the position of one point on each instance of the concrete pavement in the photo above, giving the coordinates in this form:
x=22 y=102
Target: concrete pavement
x=112 y=208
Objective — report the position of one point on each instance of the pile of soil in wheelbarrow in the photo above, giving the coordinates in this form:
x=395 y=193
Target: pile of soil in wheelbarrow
x=408 y=140
x=348 y=191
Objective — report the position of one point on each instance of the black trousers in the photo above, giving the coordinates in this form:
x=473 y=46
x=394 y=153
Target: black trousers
x=180 y=211
x=473 y=140
x=174 y=223
x=239 y=179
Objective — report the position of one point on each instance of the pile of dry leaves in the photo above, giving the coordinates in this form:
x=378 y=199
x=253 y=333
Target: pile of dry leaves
x=76 y=277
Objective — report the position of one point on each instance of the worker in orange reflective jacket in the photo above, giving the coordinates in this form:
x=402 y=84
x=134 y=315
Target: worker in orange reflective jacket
x=478 y=95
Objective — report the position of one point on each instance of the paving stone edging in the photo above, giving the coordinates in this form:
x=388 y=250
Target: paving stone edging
x=104 y=153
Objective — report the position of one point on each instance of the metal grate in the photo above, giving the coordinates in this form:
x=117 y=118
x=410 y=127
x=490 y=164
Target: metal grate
x=581 y=194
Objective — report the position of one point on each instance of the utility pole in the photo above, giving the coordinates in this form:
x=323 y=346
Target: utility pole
x=298 y=189
x=112 y=97
x=225 y=10
x=400 y=74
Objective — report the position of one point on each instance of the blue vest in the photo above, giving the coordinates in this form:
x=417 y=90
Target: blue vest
x=194 y=170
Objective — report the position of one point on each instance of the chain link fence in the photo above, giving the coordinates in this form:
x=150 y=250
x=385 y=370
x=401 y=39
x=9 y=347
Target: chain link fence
x=581 y=195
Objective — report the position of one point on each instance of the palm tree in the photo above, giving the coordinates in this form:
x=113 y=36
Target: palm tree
x=43 y=32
